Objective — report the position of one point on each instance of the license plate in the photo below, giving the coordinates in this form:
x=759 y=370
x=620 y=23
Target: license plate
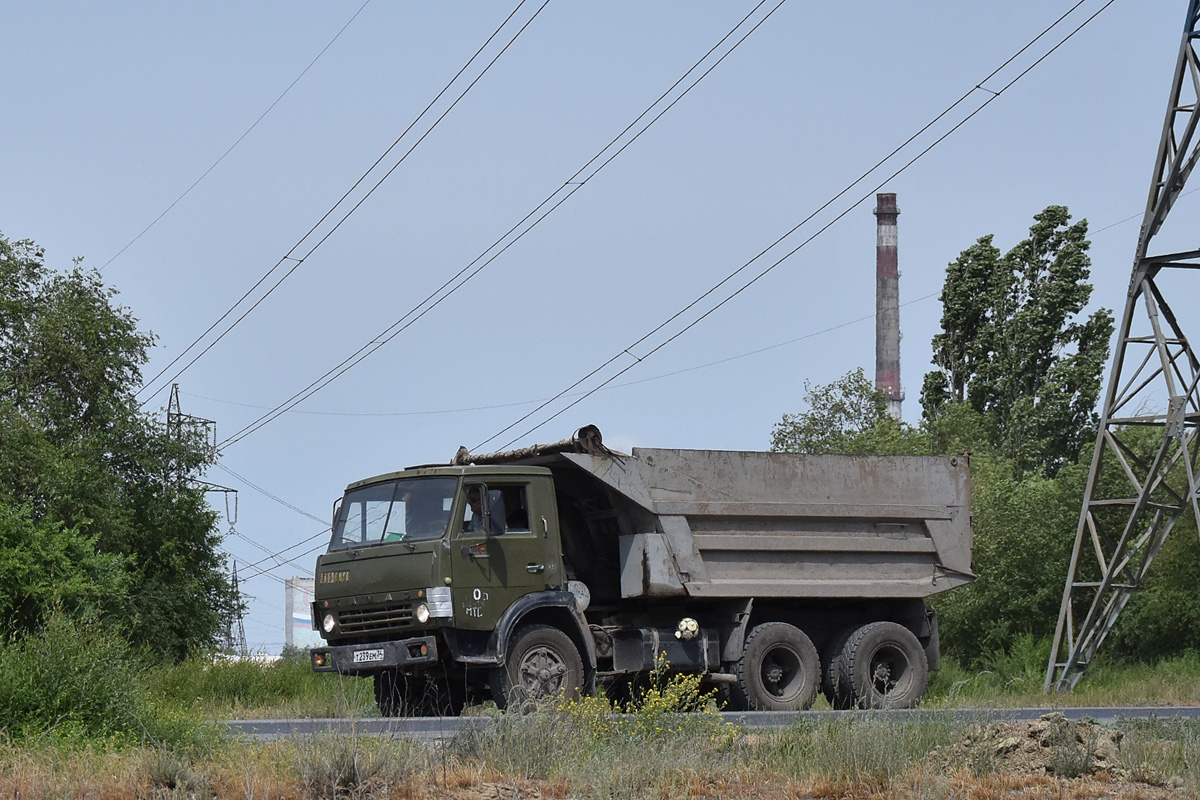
x=367 y=656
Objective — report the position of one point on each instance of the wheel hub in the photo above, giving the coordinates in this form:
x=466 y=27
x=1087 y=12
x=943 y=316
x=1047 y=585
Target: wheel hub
x=542 y=671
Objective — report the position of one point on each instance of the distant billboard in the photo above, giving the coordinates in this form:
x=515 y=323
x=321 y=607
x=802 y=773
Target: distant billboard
x=298 y=628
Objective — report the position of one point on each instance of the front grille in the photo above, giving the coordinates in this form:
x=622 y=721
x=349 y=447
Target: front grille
x=353 y=621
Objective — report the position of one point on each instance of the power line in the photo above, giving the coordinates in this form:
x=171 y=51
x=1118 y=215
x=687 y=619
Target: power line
x=550 y=204
x=693 y=368
x=262 y=116
x=514 y=404
x=992 y=95
x=301 y=543
x=266 y=570
x=1138 y=215
x=300 y=260
x=264 y=492
x=275 y=556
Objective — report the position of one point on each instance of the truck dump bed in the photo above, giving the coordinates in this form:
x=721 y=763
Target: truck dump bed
x=725 y=524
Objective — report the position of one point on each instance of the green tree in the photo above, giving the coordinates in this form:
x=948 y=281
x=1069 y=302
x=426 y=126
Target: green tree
x=846 y=416
x=91 y=510
x=1014 y=349
x=1023 y=532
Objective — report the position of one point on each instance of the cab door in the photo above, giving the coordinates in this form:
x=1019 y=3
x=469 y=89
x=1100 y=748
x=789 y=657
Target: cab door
x=498 y=550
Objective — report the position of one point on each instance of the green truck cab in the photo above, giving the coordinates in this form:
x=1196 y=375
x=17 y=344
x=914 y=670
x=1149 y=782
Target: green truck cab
x=561 y=568
x=433 y=578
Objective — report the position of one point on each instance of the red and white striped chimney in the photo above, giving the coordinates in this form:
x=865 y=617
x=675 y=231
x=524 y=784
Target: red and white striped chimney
x=887 y=303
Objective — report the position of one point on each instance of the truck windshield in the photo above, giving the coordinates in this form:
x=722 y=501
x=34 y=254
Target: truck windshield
x=406 y=510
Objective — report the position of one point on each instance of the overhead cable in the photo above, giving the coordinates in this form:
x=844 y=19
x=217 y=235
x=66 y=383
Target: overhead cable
x=526 y=224
x=517 y=403
x=246 y=133
x=295 y=260
x=992 y=95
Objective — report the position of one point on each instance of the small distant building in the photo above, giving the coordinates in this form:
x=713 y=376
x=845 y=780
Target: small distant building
x=298 y=629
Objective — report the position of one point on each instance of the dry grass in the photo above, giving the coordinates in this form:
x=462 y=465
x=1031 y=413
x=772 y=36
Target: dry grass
x=543 y=756
x=580 y=750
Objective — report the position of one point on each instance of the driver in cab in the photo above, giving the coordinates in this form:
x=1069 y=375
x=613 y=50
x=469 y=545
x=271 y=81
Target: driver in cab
x=494 y=519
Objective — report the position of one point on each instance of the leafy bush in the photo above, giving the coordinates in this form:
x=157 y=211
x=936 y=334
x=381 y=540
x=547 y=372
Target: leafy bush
x=76 y=680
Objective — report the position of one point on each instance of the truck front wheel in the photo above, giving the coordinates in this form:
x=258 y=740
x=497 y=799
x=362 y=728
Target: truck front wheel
x=884 y=666
x=542 y=662
x=779 y=669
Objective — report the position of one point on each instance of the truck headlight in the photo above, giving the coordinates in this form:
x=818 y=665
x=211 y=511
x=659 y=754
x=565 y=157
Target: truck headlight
x=329 y=623
x=422 y=613
x=439 y=603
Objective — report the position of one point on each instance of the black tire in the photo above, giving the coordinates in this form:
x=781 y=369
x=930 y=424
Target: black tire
x=884 y=666
x=542 y=663
x=779 y=669
x=836 y=692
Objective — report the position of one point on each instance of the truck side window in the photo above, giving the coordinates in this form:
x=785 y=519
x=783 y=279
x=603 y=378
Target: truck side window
x=517 y=519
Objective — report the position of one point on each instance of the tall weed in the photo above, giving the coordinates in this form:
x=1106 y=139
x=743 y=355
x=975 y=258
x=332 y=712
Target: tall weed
x=654 y=743
x=857 y=749
x=1163 y=751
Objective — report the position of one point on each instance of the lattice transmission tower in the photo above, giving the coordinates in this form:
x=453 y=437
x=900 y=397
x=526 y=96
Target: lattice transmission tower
x=188 y=428
x=1143 y=475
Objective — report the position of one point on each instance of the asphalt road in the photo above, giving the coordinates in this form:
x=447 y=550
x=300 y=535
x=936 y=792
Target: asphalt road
x=433 y=728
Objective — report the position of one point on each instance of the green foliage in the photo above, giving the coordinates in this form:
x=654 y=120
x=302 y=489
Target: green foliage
x=1018 y=670
x=847 y=416
x=44 y=565
x=287 y=688
x=91 y=511
x=76 y=681
x=1017 y=383
x=667 y=705
x=1012 y=346
x=1163 y=617
x=1023 y=533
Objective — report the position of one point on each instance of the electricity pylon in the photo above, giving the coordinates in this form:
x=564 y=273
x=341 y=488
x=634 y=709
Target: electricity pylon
x=1148 y=429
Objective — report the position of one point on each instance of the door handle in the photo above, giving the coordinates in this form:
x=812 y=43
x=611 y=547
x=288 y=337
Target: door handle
x=534 y=568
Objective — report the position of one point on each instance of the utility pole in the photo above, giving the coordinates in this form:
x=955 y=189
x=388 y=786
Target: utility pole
x=1148 y=429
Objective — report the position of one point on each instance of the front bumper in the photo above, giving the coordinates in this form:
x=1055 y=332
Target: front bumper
x=414 y=653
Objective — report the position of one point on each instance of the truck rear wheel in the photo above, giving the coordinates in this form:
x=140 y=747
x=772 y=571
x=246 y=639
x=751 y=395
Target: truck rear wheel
x=835 y=690
x=542 y=663
x=884 y=666
x=779 y=669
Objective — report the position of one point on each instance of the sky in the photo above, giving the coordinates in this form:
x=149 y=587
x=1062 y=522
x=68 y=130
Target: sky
x=250 y=122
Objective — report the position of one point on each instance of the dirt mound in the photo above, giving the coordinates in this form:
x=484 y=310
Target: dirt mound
x=1050 y=745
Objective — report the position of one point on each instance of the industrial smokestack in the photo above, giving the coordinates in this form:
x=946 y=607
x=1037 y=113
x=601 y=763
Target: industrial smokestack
x=887 y=303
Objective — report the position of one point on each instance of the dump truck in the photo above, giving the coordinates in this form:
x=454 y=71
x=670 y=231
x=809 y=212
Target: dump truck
x=568 y=568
